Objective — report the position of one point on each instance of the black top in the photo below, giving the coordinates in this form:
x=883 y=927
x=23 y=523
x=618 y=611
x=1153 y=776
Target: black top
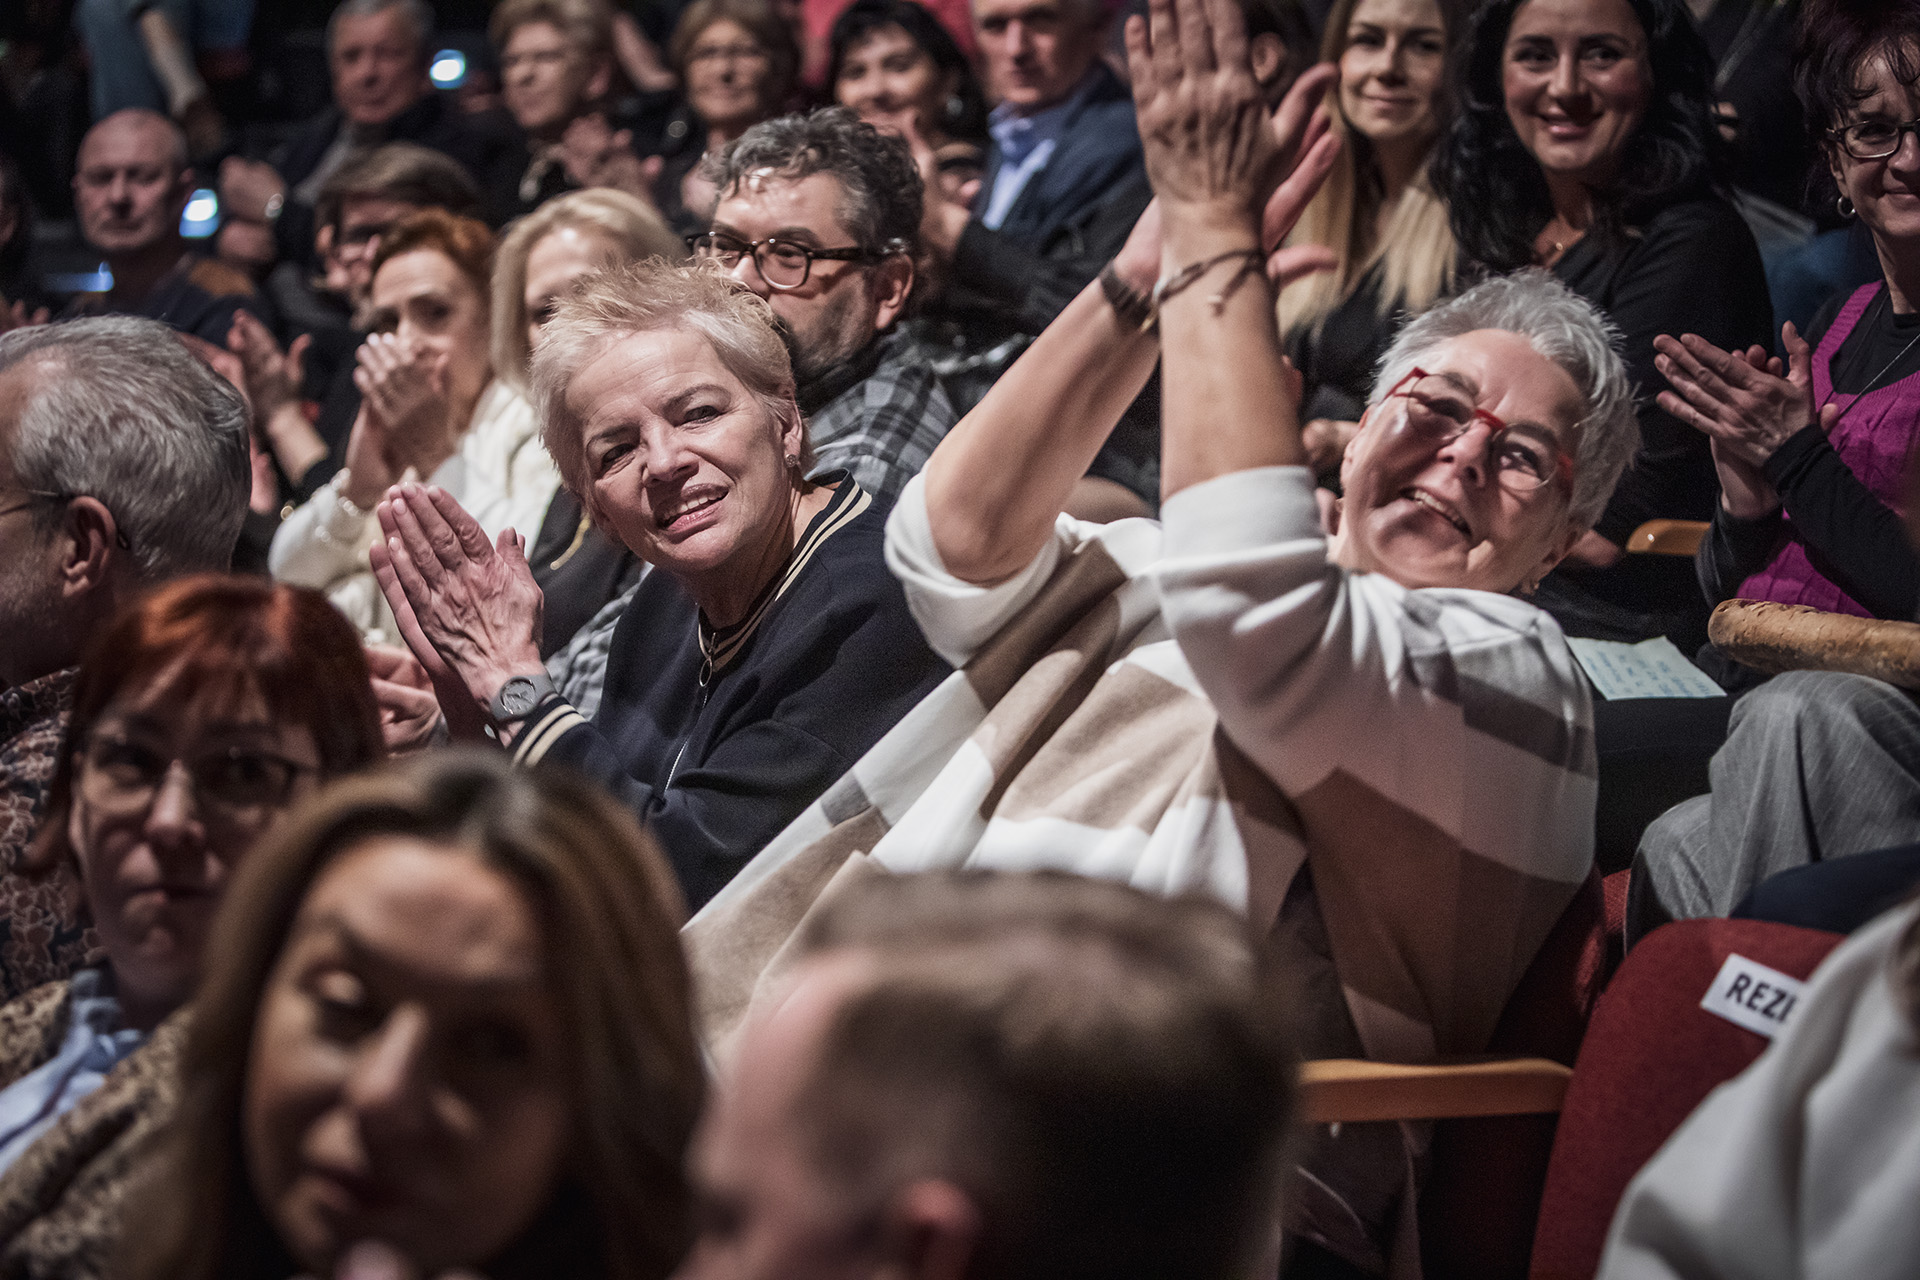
x=1752 y=46
x=1852 y=538
x=1693 y=268
x=719 y=739
x=1337 y=357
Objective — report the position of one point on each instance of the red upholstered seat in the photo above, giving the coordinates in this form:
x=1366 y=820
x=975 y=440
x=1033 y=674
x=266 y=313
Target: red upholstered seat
x=1650 y=1056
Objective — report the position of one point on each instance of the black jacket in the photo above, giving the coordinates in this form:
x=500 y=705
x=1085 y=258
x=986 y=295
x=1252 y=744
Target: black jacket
x=717 y=755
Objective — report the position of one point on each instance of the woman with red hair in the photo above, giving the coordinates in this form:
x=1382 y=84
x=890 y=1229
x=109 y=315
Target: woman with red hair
x=199 y=716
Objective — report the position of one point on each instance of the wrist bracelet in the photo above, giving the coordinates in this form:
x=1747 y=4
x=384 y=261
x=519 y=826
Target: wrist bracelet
x=1134 y=308
x=271 y=211
x=1251 y=260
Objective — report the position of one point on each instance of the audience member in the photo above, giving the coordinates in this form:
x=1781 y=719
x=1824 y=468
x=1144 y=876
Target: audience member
x=130 y=186
x=445 y=1025
x=377 y=51
x=1751 y=43
x=894 y=63
x=1811 y=471
x=771 y=648
x=1803 y=1165
x=1004 y=1077
x=432 y=408
x=364 y=199
x=556 y=65
x=1077 y=736
x=541 y=261
x=1393 y=251
x=258 y=693
x=820 y=215
x=124 y=460
x=1586 y=144
x=737 y=63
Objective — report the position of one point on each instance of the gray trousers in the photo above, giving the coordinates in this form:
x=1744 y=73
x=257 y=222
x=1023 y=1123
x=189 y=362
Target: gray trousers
x=1816 y=765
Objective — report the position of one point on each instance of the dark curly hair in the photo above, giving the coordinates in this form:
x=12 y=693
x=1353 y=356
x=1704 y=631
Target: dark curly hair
x=864 y=17
x=883 y=197
x=1493 y=186
x=1837 y=40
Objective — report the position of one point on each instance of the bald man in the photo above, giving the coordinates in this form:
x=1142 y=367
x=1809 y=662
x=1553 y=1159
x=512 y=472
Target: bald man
x=130 y=186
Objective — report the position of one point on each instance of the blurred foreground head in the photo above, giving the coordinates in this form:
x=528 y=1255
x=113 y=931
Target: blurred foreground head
x=1001 y=1077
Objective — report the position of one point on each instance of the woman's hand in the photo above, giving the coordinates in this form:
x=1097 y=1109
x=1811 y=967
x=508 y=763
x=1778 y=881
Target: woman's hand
x=1741 y=400
x=595 y=155
x=272 y=376
x=404 y=693
x=1211 y=152
x=474 y=605
x=403 y=417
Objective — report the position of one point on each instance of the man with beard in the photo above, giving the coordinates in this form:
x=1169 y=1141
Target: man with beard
x=820 y=215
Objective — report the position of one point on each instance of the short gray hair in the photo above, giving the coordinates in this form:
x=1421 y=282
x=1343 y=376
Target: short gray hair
x=881 y=197
x=417 y=14
x=122 y=412
x=1566 y=329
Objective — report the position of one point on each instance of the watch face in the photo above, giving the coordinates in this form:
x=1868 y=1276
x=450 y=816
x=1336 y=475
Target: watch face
x=518 y=697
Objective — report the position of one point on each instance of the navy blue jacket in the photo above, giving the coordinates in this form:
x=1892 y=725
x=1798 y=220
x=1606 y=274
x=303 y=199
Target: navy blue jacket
x=717 y=759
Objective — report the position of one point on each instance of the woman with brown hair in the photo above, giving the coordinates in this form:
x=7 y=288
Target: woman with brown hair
x=431 y=407
x=199 y=716
x=446 y=1010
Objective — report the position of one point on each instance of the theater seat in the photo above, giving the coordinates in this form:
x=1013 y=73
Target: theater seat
x=1668 y=537
x=1651 y=1054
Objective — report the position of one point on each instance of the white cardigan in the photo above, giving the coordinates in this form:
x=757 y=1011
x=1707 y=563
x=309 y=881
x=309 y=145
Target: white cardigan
x=500 y=472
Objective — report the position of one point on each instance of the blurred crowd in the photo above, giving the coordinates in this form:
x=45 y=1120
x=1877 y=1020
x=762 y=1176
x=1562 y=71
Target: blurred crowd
x=789 y=638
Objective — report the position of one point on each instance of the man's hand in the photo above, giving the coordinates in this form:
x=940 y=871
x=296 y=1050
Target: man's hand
x=272 y=376
x=594 y=155
x=248 y=188
x=16 y=316
x=475 y=604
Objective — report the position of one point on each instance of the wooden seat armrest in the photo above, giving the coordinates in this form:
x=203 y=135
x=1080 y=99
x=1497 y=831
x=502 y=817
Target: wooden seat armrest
x=1352 y=1090
x=1668 y=537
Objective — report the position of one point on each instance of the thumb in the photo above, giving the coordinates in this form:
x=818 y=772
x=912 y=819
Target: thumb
x=1799 y=355
x=296 y=353
x=1297 y=262
x=1829 y=415
x=650 y=168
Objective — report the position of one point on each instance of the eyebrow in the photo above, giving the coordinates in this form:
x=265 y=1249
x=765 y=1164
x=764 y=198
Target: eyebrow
x=365 y=956
x=1467 y=386
x=784 y=233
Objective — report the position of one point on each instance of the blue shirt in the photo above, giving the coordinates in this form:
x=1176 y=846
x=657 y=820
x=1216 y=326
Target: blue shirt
x=1026 y=143
x=93 y=1047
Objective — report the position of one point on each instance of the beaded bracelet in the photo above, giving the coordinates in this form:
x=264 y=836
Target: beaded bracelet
x=1134 y=308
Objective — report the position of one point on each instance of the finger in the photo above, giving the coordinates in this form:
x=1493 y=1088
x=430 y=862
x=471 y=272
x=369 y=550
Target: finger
x=1291 y=198
x=1195 y=36
x=1164 y=45
x=1688 y=360
x=404 y=701
x=1724 y=366
x=1298 y=262
x=407 y=595
x=297 y=355
x=1229 y=35
x=426 y=534
x=1303 y=102
x=465 y=529
x=1799 y=356
x=1139 y=55
x=1705 y=423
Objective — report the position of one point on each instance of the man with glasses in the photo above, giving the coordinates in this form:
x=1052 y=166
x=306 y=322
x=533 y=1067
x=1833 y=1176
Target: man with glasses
x=123 y=463
x=819 y=214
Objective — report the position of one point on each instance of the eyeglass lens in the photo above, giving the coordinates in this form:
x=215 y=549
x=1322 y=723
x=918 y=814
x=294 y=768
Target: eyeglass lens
x=1521 y=461
x=123 y=774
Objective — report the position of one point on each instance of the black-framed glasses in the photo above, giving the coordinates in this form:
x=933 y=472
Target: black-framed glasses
x=783 y=264
x=38 y=496
x=1873 y=139
x=121 y=775
x=1524 y=459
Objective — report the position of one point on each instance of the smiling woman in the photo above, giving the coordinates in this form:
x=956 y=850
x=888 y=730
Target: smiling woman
x=191 y=732
x=1586 y=145
x=771 y=647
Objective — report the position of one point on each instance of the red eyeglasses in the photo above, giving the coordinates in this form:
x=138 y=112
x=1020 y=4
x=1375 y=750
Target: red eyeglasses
x=1523 y=457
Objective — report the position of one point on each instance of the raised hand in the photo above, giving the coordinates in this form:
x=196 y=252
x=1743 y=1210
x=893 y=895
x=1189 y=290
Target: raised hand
x=1742 y=400
x=272 y=376
x=404 y=693
x=474 y=604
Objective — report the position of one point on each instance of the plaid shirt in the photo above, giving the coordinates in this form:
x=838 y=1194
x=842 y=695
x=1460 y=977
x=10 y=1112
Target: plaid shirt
x=879 y=418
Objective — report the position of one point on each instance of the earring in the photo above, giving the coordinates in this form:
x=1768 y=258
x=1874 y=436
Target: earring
x=1845 y=206
x=793 y=463
x=956 y=106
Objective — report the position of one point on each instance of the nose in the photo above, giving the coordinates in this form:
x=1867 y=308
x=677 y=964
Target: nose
x=390 y=1086
x=1019 y=39
x=1395 y=70
x=1566 y=77
x=174 y=824
x=746 y=273
x=1469 y=451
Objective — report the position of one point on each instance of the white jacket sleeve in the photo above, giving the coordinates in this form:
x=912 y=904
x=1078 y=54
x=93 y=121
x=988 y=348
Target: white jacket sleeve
x=1807 y=1164
x=1464 y=706
x=323 y=540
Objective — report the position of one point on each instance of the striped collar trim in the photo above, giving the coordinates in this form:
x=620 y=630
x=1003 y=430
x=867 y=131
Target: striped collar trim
x=720 y=646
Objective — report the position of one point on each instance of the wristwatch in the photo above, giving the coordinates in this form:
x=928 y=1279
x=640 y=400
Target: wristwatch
x=518 y=697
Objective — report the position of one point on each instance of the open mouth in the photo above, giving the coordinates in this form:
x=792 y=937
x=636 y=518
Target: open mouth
x=1421 y=498
x=690 y=504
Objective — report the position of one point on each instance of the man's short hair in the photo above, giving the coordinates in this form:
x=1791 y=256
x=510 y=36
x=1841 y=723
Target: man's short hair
x=1566 y=329
x=882 y=197
x=416 y=14
x=1108 y=1075
x=587 y=25
x=121 y=412
x=402 y=171
x=179 y=158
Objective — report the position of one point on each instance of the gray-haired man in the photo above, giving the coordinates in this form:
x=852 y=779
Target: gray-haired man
x=123 y=463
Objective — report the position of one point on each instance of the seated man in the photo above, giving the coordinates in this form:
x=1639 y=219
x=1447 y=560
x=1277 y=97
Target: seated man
x=556 y=65
x=1362 y=739
x=124 y=464
x=1003 y=1078
x=130 y=185
x=820 y=215
x=377 y=51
